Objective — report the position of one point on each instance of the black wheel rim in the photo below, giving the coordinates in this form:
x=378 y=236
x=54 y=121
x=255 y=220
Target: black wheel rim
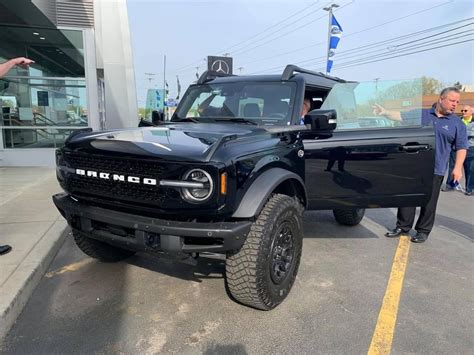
x=282 y=254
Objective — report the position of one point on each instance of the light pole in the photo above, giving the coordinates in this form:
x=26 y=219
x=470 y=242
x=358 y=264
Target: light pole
x=165 y=96
x=376 y=86
x=329 y=9
x=150 y=78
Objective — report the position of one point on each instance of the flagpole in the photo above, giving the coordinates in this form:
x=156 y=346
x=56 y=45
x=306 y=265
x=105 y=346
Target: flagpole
x=329 y=9
x=165 y=108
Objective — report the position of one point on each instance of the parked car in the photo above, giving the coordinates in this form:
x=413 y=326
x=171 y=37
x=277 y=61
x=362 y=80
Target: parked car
x=233 y=171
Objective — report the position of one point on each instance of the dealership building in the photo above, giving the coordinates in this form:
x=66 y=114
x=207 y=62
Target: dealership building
x=82 y=77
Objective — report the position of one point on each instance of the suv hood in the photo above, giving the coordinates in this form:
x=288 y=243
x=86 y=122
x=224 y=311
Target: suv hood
x=181 y=141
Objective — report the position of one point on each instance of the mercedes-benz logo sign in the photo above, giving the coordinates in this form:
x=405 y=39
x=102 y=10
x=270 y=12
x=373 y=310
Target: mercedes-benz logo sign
x=219 y=66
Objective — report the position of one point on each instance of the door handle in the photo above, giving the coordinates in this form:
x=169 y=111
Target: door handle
x=416 y=148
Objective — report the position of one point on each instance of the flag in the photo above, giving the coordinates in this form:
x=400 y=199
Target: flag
x=335 y=36
x=179 y=87
x=167 y=91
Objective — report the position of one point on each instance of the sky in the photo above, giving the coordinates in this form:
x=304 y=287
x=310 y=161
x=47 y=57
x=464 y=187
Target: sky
x=263 y=36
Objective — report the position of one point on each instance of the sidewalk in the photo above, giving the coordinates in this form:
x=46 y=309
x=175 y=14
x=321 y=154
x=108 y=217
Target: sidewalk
x=31 y=224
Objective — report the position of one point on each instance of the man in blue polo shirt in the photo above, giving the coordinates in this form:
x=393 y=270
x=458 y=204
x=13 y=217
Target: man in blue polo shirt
x=450 y=133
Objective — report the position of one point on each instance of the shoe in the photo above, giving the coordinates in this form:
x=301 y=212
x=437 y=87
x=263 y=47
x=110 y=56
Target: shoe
x=5 y=249
x=447 y=188
x=468 y=193
x=395 y=233
x=419 y=238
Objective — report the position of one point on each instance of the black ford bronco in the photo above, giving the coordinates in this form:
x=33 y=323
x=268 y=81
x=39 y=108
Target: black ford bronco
x=234 y=169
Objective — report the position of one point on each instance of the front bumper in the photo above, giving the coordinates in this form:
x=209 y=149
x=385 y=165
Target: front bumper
x=141 y=233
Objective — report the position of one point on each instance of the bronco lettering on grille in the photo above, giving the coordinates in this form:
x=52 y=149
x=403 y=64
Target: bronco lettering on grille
x=116 y=177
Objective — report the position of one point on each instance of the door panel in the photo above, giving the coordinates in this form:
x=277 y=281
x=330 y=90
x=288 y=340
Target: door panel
x=370 y=168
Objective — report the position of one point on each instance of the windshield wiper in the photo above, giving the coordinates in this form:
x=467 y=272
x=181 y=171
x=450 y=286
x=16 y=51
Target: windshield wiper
x=238 y=120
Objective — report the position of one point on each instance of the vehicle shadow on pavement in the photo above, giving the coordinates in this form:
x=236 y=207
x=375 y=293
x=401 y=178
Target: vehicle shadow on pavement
x=388 y=217
x=461 y=228
x=321 y=224
x=206 y=267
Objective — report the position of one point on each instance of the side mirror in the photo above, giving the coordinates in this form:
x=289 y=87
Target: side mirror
x=157 y=117
x=321 y=120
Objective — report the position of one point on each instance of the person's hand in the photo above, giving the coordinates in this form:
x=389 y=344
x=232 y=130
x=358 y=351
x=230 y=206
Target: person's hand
x=23 y=62
x=457 y=174
x=379 y=110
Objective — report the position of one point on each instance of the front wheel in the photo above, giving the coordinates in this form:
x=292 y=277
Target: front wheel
x=349 y=217
x=262 y=272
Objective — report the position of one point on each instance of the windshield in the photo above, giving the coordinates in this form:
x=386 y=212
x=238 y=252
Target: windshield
x=355 y=103
x=262 y=103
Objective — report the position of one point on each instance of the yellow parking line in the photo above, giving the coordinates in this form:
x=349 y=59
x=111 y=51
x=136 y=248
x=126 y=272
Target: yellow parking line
x=70 y=267
x=383 y=334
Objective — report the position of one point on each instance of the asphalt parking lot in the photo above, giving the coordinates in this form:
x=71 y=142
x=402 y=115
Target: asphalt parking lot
x=146 y=305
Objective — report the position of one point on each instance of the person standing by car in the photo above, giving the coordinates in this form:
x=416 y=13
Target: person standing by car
x=449 y=132
x=5 y=68
x=466 y=112
x=469 y=161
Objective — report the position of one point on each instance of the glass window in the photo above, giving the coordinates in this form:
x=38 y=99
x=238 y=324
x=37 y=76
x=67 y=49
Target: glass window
x=43 y=104
x=57 y=53
x=35 y=138
x=263 y=103
x=355 y=103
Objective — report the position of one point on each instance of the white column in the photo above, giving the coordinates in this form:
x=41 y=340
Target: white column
x=92 y=92
x=114 y=56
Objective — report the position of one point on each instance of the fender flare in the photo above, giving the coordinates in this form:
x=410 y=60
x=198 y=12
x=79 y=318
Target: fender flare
x=261 y=189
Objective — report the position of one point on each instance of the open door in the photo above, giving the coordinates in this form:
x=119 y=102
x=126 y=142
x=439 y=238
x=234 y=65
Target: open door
x=370 y=160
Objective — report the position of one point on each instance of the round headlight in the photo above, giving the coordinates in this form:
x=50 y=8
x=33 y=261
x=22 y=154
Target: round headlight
x=198 y=194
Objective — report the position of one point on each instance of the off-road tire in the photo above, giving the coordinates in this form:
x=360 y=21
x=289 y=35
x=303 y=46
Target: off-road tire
x=349 y=217
x=262 y=272
x=99 y=250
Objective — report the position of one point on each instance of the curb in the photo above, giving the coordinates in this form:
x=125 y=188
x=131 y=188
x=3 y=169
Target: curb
x=19 y=287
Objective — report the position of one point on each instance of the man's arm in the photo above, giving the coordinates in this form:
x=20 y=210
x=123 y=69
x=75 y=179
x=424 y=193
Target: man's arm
x=460 y=144
x=391 y=115
x=21 y=61
x=458 y=165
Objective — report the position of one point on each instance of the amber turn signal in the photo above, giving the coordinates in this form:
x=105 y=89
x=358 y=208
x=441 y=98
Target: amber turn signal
x=223 y=183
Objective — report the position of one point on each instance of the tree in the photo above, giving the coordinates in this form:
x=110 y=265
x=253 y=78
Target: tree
x=431 y=85
x=141 y=112
x=411 y=88
x=8 y=103
x=457 y=85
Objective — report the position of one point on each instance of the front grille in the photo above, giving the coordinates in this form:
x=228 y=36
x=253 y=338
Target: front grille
x=121 y=190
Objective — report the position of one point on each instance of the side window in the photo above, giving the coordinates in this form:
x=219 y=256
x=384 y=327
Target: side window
x=355 y=104
x=316 y=96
